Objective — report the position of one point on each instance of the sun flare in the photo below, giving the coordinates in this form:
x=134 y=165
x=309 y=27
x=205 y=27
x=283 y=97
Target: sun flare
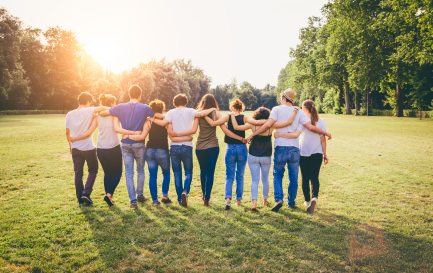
x=109 y=56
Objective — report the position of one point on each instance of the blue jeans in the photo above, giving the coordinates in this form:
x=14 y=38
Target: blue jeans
x=259 y=165
x=155 y=158
x=236 y=159
x=134 y=152
x=207 y=160
x=181 y=154
x=286 y=155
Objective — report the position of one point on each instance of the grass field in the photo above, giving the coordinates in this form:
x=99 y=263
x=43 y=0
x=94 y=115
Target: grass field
x=375 y=211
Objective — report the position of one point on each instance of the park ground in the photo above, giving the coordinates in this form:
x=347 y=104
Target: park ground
x=375 y=211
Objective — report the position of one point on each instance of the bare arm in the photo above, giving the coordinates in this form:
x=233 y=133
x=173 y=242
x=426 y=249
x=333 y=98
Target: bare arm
x=144 y=133
x=288 y=135
x=229 y=133
x=181 y=139
x=100 y=109
x=191 y=131
x=317 y=130
x=122 y=131
x=268 y=125
x=68 y=138
x=202 y=113
x=325 y=156
x=238 y=127
x=87 y=133
x=221 y=120
x=281 y=124
x=160 y=122
x=255 y=122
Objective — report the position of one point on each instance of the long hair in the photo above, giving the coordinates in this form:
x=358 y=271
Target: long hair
x=309 y=104
x=207 y=101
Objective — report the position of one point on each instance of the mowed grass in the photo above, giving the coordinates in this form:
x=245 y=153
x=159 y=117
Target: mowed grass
x=374 y=212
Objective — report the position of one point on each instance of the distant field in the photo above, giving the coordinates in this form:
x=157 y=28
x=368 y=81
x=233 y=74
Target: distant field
x=375 y=211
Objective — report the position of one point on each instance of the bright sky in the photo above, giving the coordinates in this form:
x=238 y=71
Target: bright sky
x=243 y=39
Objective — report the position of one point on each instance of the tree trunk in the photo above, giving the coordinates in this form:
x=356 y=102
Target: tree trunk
x=347 y=98
x=398 y=101
x=357 y=104
x=367 y=99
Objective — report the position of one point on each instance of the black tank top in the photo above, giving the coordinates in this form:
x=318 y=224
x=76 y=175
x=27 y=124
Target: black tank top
x=157 y=137
x=261 y=146
x=240 y=121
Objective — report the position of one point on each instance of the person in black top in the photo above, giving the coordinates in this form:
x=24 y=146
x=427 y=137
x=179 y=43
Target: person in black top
x=157 y=153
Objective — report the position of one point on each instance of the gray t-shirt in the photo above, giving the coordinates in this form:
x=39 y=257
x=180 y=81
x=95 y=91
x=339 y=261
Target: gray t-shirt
x=283 y=113
x=182 y=119
x=107 y=137
x=78 y=122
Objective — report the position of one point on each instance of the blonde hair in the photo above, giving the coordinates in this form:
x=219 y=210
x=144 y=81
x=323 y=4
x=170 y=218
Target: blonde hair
x=238 y=105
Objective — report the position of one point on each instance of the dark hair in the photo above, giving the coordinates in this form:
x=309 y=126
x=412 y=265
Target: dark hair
x=84 y=98
x=180 y=100
x=309 y=104
x=237 y=104
x=135 y=92
x=107 y=100
x=207 y=101
x=261 y=113
x=158 y=106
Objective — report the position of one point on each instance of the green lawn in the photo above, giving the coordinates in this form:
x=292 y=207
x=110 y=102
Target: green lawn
x=375 y=211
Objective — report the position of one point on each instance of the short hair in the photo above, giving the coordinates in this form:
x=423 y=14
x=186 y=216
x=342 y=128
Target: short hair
x=135 y=91
x=107 y=100
x=158 y=106
x=180 y=100
x=237 y=104
x=84 y=98
x=261 y=113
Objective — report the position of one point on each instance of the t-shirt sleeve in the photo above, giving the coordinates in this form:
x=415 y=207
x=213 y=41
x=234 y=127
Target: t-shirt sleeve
x=274 y=114
x=192 y=112
x=149 y=112
x=169 y=116
x=303 y=119
x=322 y=125
x=68 y=121
x=115 y=110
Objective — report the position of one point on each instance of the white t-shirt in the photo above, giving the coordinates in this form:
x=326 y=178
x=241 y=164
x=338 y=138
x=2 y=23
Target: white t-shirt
x=107 y=137
x=283 y=113
x=182 y=119
x=78 y=121
x=309 y=142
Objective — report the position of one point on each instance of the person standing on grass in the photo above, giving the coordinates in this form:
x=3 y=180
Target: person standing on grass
x=286 y=150
x=157 y=153
x=260 y=151
x=108 y=147
x=313 y=152
x=132 y=116
x=78 y=121
x=182 y=119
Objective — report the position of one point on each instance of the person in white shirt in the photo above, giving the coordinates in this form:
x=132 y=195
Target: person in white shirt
x=286 y=150
x=183 y=120
x=78 y=121
x=313 y=151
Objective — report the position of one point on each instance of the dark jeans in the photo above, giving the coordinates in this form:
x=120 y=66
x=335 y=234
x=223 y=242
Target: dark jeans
x=310 y=168
x=181 y=154
x=155 y=158
x=79 y=157
x=111 y=161
x=207 y=160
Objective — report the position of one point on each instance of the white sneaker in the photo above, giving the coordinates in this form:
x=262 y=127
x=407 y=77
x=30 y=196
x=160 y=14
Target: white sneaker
x=306 y=204
x=310 y=209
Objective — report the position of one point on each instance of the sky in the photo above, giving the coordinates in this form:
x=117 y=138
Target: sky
x=246 y=40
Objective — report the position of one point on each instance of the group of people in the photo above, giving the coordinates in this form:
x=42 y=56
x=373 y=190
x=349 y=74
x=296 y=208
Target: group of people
x=299 y=142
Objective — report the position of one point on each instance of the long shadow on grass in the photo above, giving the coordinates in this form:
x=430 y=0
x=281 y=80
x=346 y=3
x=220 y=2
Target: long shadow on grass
x=175 y=239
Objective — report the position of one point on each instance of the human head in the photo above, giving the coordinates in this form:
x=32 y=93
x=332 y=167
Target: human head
x=261 y=113
x=85 y=99
x=207 y=101
x=107 y=100
x=158 y=106
x=288 y=95
x=309 y=108
x=237 y=105
x=180 y=100
x=135 y=92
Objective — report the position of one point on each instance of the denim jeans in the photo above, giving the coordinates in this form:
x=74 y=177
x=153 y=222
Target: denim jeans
x=134 y=152
x=286 y=155
x=155 y=158
x=79 y=158
x=207 y=159
x=259 y=165
x=181 y=154
x=235 y=159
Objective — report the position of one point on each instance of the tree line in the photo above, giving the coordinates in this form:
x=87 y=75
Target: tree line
x=365 y=54
x=48 y=69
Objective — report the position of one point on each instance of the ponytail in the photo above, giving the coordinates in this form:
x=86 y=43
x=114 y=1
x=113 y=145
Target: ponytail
x=309 y=104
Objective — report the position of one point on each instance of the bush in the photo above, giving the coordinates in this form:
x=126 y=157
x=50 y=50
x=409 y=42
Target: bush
x=32 y=112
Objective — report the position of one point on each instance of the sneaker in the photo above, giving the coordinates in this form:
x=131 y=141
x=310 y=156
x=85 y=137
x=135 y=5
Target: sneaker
x=206 y=203
x=277 y=207
x=166 y=200
x=108 y=201
x=307 y=203
x=238 y=203
x=310 y=209
x=184 y=200
x=227 y=207
x=254 y=209
x=292 y=206
x=86 y=200
x=133 y=205
x=156 y=203
x=141 y=199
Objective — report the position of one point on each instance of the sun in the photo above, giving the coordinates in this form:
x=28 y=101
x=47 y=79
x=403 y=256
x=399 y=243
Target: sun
x=109 y=55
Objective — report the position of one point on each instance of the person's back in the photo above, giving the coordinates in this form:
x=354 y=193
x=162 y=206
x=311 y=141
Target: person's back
x=207 y=137
x=158 y=137
x=182 y=119
x=107 y=136
x=310 y=142
x=78 y=121
x=282 y=113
